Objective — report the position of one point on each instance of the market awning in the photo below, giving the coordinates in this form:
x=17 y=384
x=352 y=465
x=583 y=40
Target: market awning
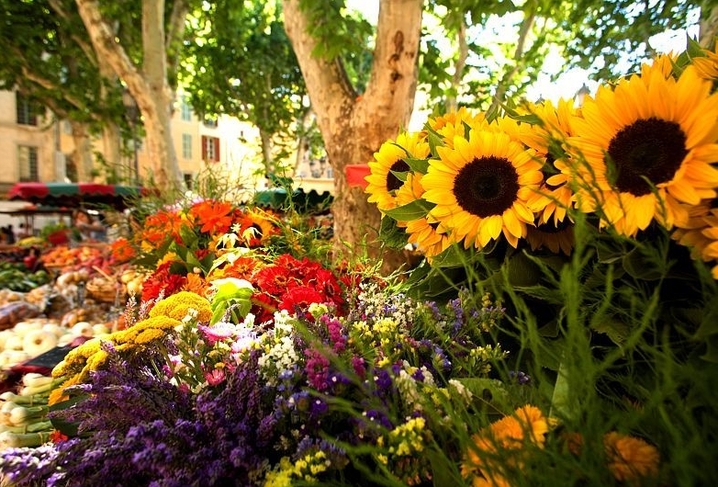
x=76 y=194
x=278 y=199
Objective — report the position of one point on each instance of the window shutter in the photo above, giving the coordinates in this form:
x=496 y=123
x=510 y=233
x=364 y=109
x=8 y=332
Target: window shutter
x=216 y=149
x=204 y=147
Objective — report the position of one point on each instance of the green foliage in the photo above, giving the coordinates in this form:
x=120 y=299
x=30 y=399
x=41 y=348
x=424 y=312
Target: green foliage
x=611 y=38
x=231 y=296
x=240 y=63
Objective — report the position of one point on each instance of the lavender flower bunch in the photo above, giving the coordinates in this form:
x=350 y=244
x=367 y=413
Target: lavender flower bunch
x=138 y=429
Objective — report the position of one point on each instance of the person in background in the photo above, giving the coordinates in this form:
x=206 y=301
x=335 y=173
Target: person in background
x=11 y=234
x=88 y=227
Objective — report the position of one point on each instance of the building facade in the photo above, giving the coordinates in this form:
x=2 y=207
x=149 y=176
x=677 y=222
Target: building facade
x=35 y=147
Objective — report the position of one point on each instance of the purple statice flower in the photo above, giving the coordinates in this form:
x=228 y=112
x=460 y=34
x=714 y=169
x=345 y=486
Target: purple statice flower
x=456 y=309
x=371 y=424
x=383 y=381
x=434 y=310
x=317 y=370
x=337 y=334
x=520 y=377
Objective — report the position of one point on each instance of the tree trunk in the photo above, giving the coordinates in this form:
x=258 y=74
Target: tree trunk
x=266 y=141
x=82 y=155
x=148 y=86
x=353 y=127
x=708 y=27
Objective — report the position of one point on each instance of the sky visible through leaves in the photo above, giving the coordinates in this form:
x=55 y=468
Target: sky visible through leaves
x=568 y=83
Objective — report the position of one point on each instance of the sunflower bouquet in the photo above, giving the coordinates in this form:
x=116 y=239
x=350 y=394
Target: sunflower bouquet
x=595 y=227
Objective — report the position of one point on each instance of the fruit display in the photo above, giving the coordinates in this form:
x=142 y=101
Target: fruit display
x=75 y=258
x=15 y=312
x=18 y=277
x=33 y=337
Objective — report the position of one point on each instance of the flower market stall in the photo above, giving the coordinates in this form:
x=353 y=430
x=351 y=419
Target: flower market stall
x=73 y=195
x=561 y=329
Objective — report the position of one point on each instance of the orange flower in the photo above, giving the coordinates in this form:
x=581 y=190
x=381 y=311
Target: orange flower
x=527 y=425
x=159 y=226
x=214 y=216
x=630 y=458
x=122 y=251
x=195 y=284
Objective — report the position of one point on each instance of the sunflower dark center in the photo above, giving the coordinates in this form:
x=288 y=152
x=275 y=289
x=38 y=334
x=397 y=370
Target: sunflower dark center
x=392 y=182
x=647 y=150
x=486 y=186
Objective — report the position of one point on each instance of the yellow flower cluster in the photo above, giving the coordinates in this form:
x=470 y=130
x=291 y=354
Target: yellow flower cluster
x=179 y=305
x=305 y=469
x=89 y=356
x=640 y=151
x=400 y=448
x=502 y=446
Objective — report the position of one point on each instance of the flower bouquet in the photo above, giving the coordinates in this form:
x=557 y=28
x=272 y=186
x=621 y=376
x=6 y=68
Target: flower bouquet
x=560 y=332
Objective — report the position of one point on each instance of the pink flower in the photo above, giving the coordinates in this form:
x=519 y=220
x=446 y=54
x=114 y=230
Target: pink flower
x=217 y=332
x=215 y=377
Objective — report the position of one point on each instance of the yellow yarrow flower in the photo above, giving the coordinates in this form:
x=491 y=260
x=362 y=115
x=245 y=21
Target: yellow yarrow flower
x=149 y=335
x=178 y=305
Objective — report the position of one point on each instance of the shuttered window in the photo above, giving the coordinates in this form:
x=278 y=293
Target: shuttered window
x=210 y=149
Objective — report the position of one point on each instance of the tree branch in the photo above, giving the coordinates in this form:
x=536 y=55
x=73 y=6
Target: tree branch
x=526 y=26
x=107 y=48
x=84 y=46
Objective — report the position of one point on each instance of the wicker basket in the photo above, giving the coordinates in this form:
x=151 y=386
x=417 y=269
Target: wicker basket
x=105 y=290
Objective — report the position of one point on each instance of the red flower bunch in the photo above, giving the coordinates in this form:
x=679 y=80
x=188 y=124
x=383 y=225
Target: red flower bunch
x=292 y=285
x=162 y=281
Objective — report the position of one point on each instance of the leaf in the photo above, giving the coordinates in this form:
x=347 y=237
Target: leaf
x=66 y=427
x=412 y=211
x=711 y=354
x=616 y=330
x=453 y=256
x=391 y=235
x=418 y=165
x=441 y=473
x=491 y=391
x=401 y=175
x=521 y=271
x=639 y=267
x=561 y=394
x=231 y=293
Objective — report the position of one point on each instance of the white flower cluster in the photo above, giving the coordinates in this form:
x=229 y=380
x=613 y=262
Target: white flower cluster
x=408 y=386
x=280 y=354
x=376 y=304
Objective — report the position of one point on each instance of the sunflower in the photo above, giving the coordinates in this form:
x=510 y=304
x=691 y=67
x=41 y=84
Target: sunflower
x=383 y=184
x=707 y=65
x=645 y=147
x=700 y=233
x=481 y=187
x=456 y=123
x=547 y=137
x=557 y=238
x=663 y=63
